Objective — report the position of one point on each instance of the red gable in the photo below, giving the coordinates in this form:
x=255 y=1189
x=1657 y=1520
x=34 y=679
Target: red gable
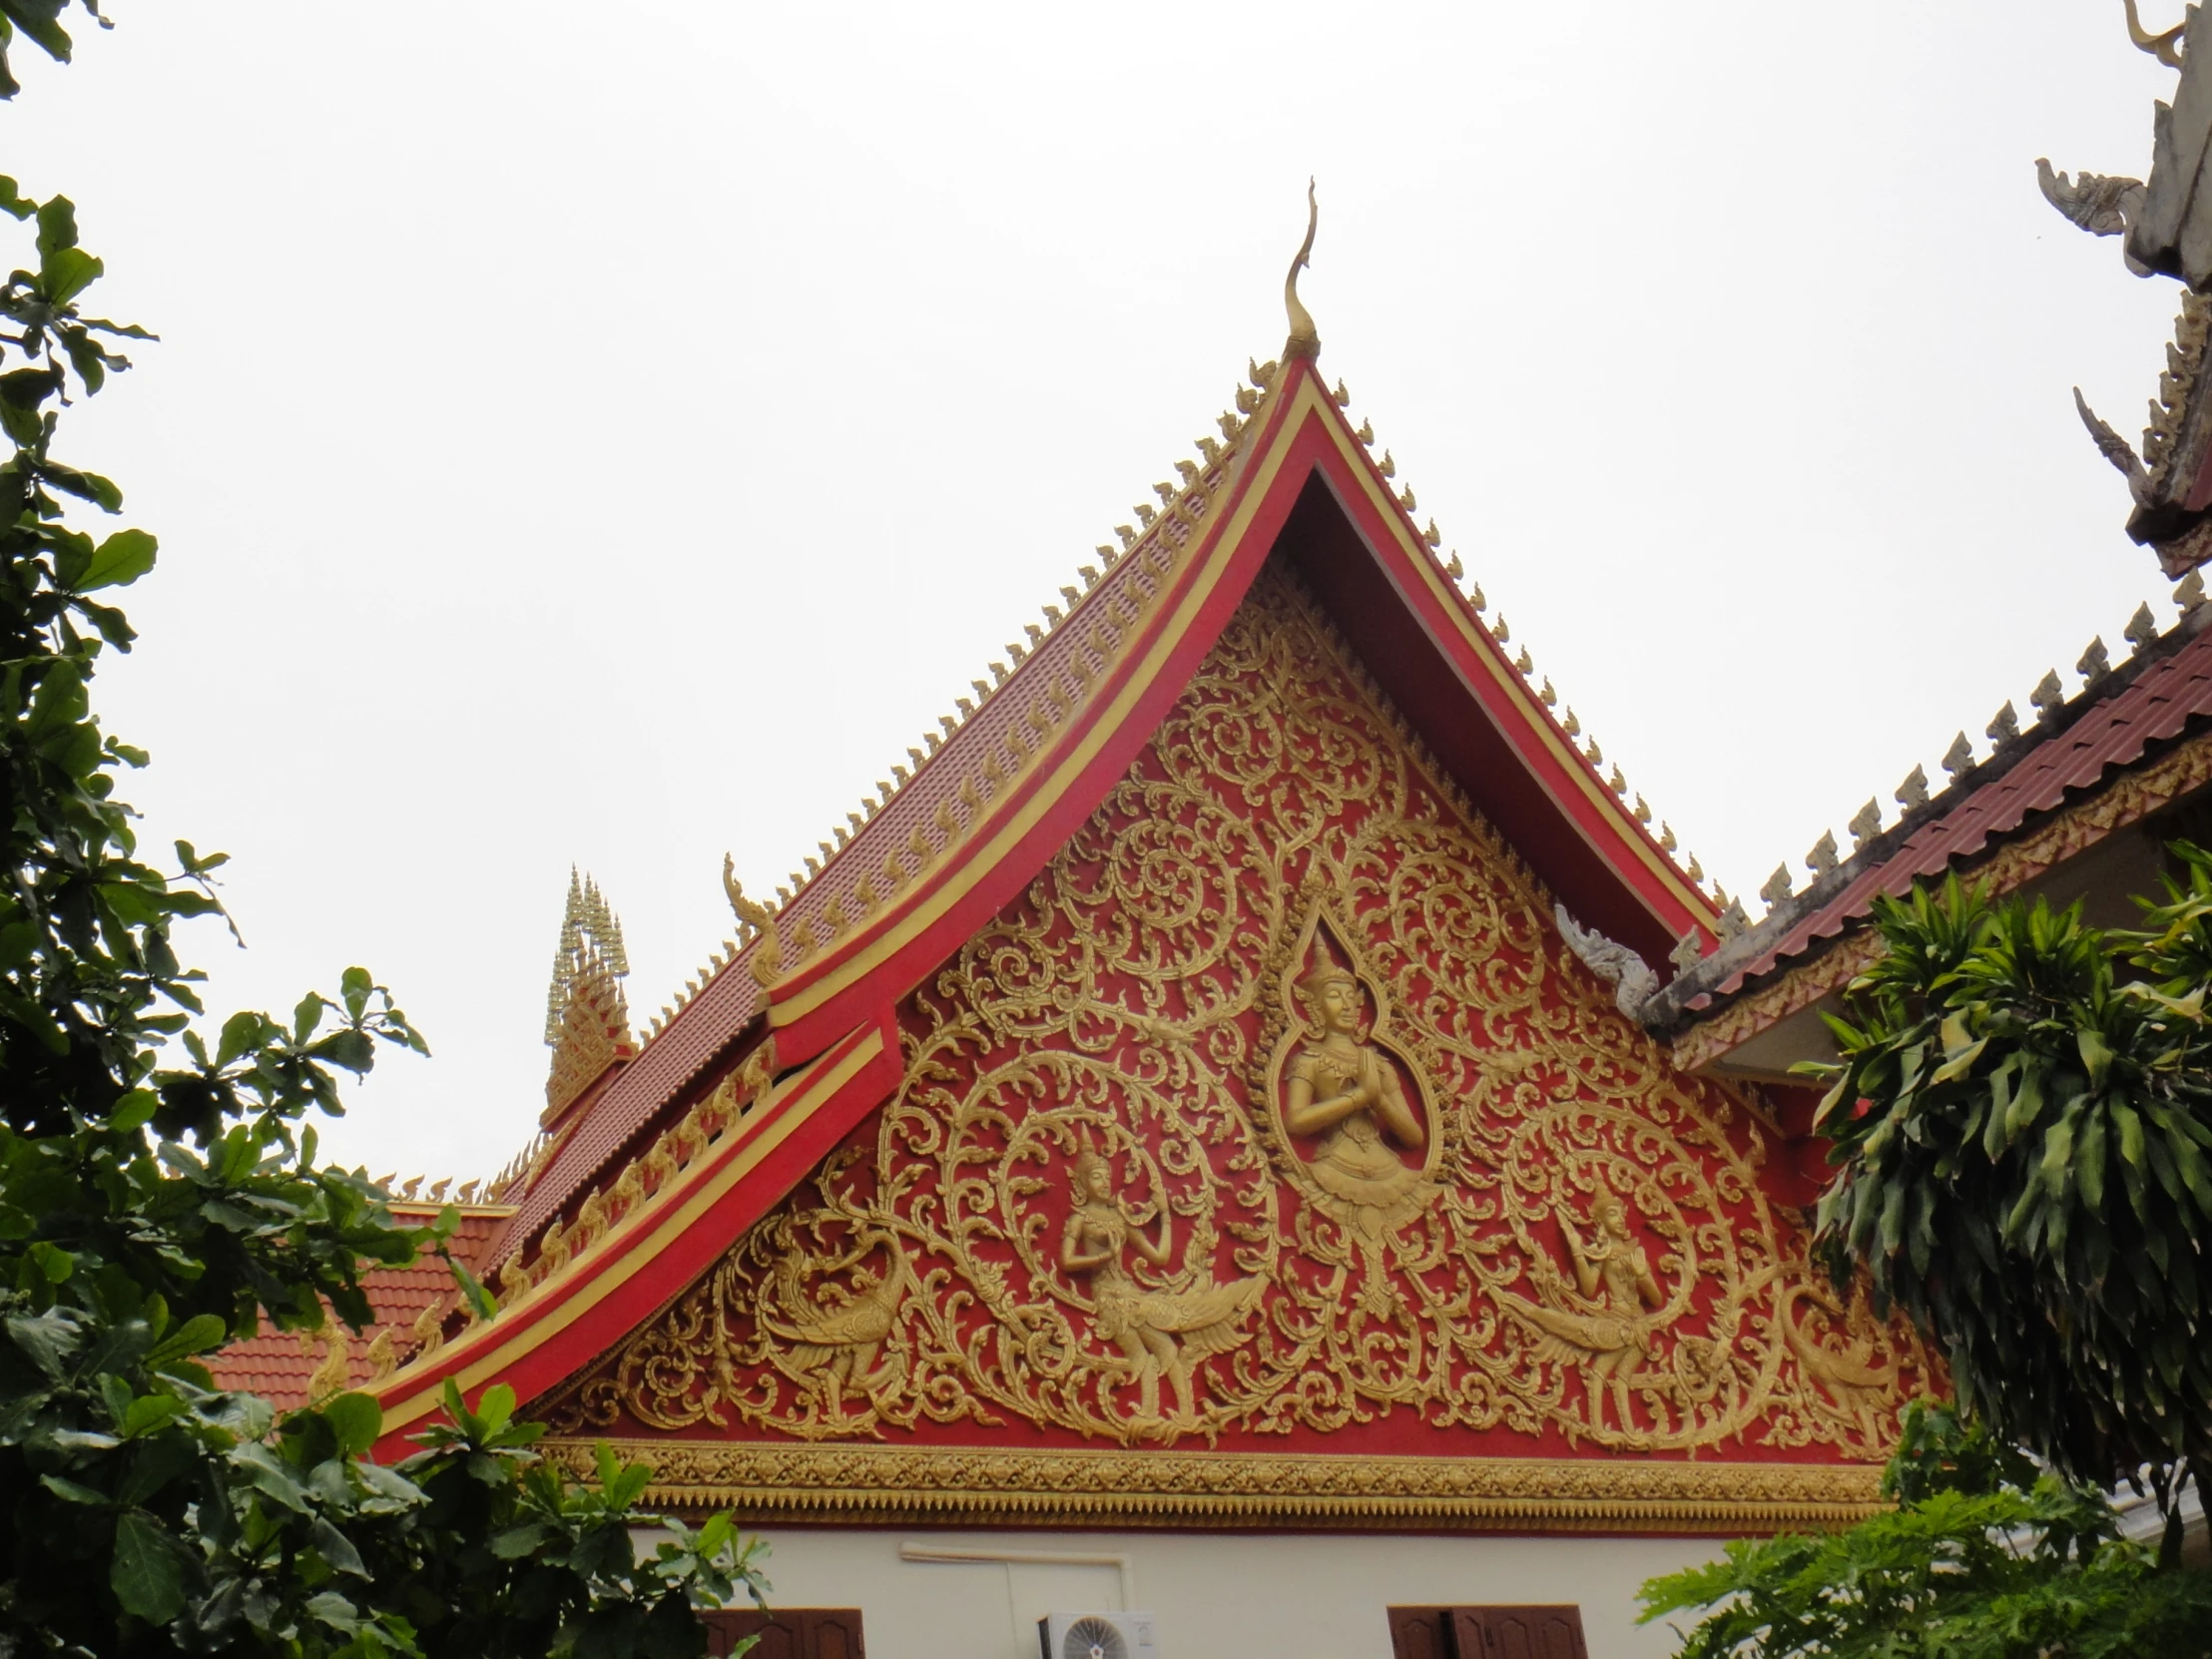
x=1647 y=1298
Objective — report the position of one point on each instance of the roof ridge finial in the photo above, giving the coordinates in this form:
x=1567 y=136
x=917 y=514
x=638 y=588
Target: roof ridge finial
x=1305 y=340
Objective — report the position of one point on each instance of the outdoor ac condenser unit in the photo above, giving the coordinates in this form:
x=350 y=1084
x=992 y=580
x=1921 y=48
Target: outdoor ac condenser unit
x=1096 y=1636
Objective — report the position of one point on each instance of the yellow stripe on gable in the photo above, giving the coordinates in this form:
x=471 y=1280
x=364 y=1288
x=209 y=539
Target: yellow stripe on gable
x=629 y=1242
x=787 y=1006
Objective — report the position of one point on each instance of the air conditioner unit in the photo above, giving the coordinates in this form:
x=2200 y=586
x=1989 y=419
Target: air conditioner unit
x=1096 y=1636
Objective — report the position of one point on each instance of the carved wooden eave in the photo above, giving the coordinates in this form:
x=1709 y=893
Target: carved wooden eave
x=691 y=1144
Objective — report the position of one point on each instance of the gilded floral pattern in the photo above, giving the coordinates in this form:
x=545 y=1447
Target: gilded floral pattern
x=1089 y=1183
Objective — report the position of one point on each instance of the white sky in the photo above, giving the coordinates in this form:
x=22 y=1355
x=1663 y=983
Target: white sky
x=612 y=434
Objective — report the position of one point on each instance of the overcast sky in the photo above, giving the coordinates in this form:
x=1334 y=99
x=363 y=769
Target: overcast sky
x=612 y=434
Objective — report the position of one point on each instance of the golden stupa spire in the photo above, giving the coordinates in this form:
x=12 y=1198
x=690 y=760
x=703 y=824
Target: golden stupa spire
x=1305 y=340
x=590 y=947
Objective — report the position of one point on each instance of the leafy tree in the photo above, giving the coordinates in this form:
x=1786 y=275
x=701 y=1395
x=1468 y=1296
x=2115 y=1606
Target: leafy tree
x=161 y=1194
x=1984 y=1557
x=2022 y=1124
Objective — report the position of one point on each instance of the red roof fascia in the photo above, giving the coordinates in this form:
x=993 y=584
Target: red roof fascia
x=653 y=1254
x=894 y=975
x=1523 y=729
x=2159 y=704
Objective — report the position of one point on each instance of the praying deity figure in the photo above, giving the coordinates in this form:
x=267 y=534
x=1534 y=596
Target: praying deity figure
x=1157 y=1330
x=1346 y=1091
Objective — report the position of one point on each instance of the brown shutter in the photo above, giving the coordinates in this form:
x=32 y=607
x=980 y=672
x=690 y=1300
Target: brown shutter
x=835 y=1634
x=786 y=1633
x=1518 y=1633
x=1419 y=1632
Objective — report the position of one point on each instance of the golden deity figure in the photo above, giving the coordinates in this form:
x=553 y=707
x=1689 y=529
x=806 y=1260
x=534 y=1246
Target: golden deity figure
x=1157 y=1331
x=1612 y=1271
x=1346 y=1091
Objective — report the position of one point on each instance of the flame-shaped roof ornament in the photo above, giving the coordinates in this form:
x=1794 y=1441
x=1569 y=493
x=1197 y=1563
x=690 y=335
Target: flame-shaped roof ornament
x=1305 y=340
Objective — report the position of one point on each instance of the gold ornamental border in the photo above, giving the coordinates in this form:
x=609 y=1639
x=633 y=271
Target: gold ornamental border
x=880 y=1485
x=2070 y=832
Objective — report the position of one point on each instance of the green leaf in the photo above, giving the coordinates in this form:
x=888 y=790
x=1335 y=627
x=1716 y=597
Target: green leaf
x=195 y=1336
x=57 y=224
x=496 y=1408
x=516 y=1542
x=71 y=1491
x=148 y=1572
x=336 y=1548
x=134 y=1110
x=66 y=272
x=2026 y=1105
x=479 y=1300
x=47 y=1340
x=356 y=1420
x=119 y=561
x=1961 y=1063
x=2096 y=1056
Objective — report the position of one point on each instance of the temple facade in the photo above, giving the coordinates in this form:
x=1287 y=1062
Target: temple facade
x=1197 y=1154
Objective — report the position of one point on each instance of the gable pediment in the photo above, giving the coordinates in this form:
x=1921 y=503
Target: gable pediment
x=1273 y=1127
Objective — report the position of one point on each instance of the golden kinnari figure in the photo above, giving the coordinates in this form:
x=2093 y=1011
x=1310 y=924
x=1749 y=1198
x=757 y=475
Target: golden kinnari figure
x=1157 y=1329
x=1613 y=1339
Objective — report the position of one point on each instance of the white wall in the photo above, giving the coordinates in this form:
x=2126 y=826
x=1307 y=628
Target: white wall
x=1286 y=1595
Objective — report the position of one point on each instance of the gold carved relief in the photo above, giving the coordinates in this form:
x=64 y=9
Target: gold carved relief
x=1277 y=1109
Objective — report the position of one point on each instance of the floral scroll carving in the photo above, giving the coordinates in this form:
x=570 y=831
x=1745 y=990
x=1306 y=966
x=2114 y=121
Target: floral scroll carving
x=1276 y=1107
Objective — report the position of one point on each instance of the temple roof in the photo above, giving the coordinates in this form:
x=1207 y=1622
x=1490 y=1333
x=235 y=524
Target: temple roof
x=2134 y=712
x=280 y=1365
x=807 y=998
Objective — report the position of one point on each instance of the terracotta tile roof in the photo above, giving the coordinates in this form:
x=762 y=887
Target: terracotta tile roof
x=278 y=1363
x=2144 y=703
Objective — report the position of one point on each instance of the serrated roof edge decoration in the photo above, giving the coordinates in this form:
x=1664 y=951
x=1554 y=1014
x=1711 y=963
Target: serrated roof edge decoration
x=1805 y=928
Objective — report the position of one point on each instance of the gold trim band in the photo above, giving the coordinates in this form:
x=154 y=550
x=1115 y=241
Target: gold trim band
x=883 y=1486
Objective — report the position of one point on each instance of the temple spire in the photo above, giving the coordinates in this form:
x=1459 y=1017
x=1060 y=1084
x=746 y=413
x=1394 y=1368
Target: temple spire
x=590 y=946
x=587 y=1019
x=1305 y=340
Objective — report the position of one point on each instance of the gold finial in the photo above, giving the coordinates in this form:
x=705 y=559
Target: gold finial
x=1305 y=340
x=2166 y=48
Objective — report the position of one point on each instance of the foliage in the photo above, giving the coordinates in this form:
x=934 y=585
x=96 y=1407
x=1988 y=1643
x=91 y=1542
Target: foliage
x=160 y=1192
x=1984 y=1557
x=2022 y=1122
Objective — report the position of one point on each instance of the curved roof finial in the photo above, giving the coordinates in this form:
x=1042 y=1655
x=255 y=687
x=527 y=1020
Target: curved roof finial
x=1305 y=340
x=2166 y=48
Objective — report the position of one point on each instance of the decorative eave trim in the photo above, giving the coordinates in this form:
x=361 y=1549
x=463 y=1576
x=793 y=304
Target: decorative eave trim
x=2068 y=833
x=883 y=1486
x=659 y=1246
